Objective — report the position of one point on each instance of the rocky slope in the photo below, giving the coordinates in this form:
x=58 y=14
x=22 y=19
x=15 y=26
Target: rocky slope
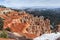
x=24 y=23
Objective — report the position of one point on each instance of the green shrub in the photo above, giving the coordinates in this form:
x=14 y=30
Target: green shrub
x=1 y=23
x=8 y=29
x=3 y=34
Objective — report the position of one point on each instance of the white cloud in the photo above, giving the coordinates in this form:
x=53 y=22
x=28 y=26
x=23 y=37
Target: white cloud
x=11 y=3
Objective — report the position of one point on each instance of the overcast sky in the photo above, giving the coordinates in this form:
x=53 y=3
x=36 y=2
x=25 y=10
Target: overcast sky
x=30 y=3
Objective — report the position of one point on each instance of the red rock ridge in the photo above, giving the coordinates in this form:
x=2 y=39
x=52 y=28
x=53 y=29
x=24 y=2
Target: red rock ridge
x=26 y=24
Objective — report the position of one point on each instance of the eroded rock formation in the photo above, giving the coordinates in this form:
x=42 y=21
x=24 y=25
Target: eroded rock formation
x=26 y=24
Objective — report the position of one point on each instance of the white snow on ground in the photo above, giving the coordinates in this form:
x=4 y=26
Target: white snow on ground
x=51 y=36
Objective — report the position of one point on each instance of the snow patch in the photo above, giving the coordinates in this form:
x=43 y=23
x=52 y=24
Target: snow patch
x=51 y=36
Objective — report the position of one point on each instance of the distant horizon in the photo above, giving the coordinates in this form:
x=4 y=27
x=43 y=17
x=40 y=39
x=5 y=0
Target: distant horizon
x=48 y=7
x=35 y=7
x=30 y=3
